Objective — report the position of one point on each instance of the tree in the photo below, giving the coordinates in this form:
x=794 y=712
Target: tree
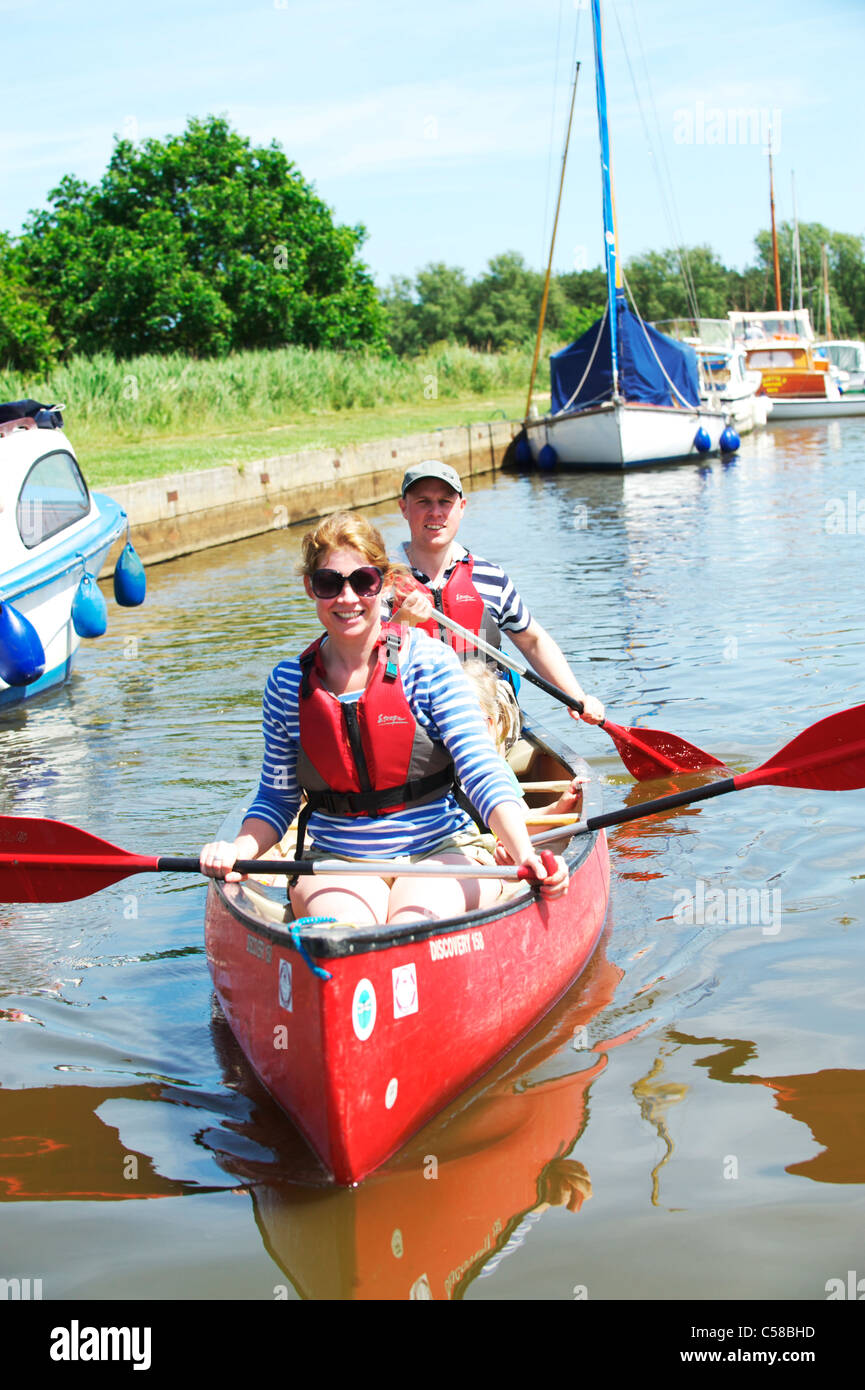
x=202 y=244
x=443 y=301
x=504 y=303
x=401 y=316
x=658 y=283
x=26 y=341
x=846 y=264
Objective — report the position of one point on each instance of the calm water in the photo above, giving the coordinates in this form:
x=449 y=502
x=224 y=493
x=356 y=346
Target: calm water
x=687 y=1124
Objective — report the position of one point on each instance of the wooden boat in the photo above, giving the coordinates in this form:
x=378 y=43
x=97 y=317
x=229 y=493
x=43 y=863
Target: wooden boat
x=799 y=381
x=55 y=536
x=623 y=395
x=362 y=1035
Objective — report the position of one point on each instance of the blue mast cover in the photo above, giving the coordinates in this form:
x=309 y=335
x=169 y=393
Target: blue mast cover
x=640 y=375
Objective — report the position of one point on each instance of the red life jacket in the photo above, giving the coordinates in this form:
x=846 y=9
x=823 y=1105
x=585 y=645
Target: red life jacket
x=369 y=757
x=459 y=599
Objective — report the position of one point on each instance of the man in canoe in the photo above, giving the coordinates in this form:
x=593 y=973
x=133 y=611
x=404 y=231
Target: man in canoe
x=375 y=722
x=474 y=592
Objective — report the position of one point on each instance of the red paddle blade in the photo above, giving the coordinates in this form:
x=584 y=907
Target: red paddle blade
x=47 y=861
x=652 y=753
x=830 y=756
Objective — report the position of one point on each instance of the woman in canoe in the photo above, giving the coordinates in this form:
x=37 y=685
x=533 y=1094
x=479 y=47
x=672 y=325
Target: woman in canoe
x=374 y=722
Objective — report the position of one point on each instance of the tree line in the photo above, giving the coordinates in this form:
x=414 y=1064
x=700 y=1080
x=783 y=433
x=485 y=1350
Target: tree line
x=204 y=245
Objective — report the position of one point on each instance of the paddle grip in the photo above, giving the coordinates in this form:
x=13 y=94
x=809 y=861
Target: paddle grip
x=548 y=859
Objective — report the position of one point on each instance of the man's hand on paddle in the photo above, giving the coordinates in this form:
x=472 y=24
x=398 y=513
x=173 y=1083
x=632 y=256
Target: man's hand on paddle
x=593 y=710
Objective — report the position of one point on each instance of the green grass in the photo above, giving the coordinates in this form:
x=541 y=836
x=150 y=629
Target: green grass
x=156 y=415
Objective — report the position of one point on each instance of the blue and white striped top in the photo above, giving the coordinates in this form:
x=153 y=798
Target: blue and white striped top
x=444 y=704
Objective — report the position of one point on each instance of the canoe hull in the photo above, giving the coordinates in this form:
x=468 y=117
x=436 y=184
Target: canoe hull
x=408 y=1018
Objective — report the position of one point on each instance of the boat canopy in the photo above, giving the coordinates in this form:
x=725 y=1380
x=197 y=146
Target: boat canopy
x=46 y=416
x=848 y=354
x=653 y=369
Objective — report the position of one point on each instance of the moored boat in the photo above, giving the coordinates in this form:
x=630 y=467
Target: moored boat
x=847 y=356
x=55 y=536
x=800 y=381
x=623 y=395
x=362 y=1035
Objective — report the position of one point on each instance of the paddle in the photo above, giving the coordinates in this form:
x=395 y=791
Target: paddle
x=829 y=756
x=646 y=753
x=53 y=862
x=48 y=861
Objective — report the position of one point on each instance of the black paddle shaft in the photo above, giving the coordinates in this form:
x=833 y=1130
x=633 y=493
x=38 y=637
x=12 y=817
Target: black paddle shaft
x=554 y=690
x=171 y=865
x=651 y=808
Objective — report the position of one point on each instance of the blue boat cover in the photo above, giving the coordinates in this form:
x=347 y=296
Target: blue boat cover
x=47 y=417
x=641 y=377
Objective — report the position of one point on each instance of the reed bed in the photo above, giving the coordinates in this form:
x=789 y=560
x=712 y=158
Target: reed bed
x=177 y=396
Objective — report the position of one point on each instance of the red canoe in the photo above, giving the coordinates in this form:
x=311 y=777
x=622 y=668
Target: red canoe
x=363 y=1034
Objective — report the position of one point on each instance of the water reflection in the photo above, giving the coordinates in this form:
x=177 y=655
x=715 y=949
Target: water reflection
x=428 y=1223
x=47 y=1130
x=830 y=1103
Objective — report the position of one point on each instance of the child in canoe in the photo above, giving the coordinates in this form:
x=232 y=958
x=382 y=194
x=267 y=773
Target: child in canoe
x=502 y=714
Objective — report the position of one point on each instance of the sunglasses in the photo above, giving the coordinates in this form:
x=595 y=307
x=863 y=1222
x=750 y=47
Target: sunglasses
x=365 y=581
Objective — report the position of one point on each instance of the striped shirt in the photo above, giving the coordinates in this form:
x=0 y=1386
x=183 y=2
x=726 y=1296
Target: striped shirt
x=493 y=585
x=444 y=704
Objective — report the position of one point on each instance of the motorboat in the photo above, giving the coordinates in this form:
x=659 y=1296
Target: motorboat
x=55 y=536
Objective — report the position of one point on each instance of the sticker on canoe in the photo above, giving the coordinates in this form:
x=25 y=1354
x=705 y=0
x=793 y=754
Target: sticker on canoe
x=404 y=990
x=363 y=1009
x=459 y=944
x=286 y=998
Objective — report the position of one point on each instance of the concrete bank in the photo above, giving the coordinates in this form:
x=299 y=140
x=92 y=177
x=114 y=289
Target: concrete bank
x=183 y=512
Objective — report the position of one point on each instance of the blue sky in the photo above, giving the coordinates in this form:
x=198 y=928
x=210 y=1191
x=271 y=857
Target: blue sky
x=439 y=126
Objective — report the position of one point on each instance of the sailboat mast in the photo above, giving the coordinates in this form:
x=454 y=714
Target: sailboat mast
x=797 y=249
x=778 y=304
x=826 y=314
x=611 y=249
x=543 y=312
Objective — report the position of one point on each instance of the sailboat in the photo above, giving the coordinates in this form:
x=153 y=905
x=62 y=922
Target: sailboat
x=623 y=395
x=798 y=374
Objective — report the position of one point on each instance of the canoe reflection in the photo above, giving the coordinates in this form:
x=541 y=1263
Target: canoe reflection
x=425 y=1225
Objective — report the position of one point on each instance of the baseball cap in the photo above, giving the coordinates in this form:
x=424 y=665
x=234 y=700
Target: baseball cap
x=432 y=468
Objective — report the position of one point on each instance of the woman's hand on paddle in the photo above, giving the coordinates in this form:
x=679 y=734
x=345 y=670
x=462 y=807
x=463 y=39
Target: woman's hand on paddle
x=551 y=885
x=414 y=606
x=217 y=859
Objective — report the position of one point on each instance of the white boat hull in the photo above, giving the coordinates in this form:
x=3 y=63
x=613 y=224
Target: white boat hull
x=746 y=412
x=816 y=407
x=624 y=435
x=48 y=540
x=49 y=609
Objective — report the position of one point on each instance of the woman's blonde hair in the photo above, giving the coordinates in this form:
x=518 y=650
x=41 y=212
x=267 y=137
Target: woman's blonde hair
x=497 y=701
x=347 y=531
